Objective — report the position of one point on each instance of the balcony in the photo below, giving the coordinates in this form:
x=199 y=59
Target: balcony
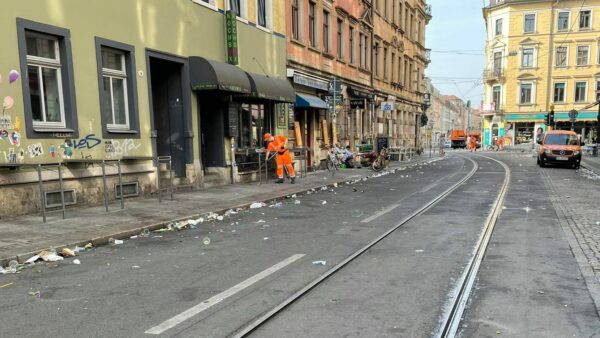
x=425 y=55
x=494 y=75
x=428 y=11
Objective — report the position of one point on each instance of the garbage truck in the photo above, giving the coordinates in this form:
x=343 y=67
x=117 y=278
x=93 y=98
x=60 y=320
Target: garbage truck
x=458 y=139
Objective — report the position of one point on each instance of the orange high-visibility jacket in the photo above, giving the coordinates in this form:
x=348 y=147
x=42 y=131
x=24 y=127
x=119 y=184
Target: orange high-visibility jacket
x=278 y=145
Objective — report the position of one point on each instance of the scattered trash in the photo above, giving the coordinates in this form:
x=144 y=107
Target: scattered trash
x=276 y=205
x=76 y=261
x=66 y=252
x=335 y=185
x=297 y=202
x=12 y=266
x=88 y=246
x=419 y=250
x=32 y=259
x=324 y=188
x=133 y=237
x=527 y=209
x=2 y=271
x=206 y=241
x=115 y=241
x=257 y=205
x=266 y=238
x=219 y=218
x=48 y=256
x=145 y=233
x=324 y=202
x=136 y=266
x=260 y=221
x=498 y=332
x=200 y=220
x=319 y=262
x=230 y=212
x=294 y=196
x=541 y=292
x=34 y=293
x=6 y=285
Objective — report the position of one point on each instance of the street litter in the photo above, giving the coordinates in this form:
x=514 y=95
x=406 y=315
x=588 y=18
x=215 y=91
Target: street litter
x=48 y=256
x=260 y=221
x=230 y=212
x=6 y=285
x=324 y=188
x=136 y=266
x=419 y=250
x=257 y=205
x=66 y=252
x=158 y=236
x=265 y=238
x=76 y=261
x=115 y=241
x=88 y=246
x=2 y=271
x=32 y=259
x=324 y=202
x=219 y=218
x=319 y=262
x=206 y=241
x=541 y=292
x=297 y=202
x=294 y=196
x=145 y=233
x=34 y=293
x=133 y=237
x=335 y=185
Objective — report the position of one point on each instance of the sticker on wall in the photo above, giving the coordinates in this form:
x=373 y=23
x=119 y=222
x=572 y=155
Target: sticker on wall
x=21 y=156
x=52 y=150
x=12 y=157
x=13 y=76
x=8 y=103
x=15 y=138
x=6 y=122
x=18 y=123
x=35 y=150
x=3 y=134
x=67 y=148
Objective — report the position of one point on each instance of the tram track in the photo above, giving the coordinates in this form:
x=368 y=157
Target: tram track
x=266 y=317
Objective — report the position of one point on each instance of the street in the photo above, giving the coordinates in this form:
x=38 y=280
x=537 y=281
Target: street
x=537 y=279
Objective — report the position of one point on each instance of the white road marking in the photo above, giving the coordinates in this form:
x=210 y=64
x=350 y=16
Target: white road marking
x=380 y=213
x=187 y=314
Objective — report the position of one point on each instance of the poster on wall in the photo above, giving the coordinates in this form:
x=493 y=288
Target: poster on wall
x=290 y=111
x=281 y=115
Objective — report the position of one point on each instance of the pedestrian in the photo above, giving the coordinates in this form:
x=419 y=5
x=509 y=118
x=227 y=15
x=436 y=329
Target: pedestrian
x=348 y=157
x=278 y=145
x=469 y=138
x=473 y=144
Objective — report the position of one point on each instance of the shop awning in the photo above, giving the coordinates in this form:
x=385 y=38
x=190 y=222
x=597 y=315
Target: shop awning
x=306 y=100
x=207 y=74
x=272 y=88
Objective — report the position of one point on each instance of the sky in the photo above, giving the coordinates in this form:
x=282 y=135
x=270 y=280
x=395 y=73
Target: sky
x=456 y=37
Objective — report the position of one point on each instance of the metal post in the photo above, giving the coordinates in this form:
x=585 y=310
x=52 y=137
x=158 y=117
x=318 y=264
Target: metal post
x=62 y=189
x=259 y=168
x=104 y=184
x=595 y=150
x=158 y=179
x=171 y=177
x=42 y=196
x=120 y=184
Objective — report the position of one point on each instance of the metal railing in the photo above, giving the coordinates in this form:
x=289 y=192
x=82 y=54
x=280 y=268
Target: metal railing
x=168 y=162
x=51 y=167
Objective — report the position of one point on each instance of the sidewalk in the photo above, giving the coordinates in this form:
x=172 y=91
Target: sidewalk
x=592 y=163
x=27 y=235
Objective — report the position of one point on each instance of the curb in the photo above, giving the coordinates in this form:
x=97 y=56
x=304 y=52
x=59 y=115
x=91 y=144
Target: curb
x=103 y=240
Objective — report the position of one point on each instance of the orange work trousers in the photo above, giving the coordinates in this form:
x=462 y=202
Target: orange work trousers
x=284 y=160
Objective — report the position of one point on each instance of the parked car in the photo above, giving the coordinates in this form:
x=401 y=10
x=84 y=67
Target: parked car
x=562 y=147
x=448 y=144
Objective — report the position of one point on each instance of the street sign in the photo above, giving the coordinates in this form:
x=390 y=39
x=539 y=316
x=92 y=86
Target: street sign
x=387 y=106
x=335 y=86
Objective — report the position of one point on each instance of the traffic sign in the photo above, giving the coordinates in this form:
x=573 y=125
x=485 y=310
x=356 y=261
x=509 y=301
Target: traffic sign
x=335 y=86
x=573 y=114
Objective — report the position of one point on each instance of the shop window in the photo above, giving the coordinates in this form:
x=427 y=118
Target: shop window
x=118 y=96
x=251 y=125
x=48 y=86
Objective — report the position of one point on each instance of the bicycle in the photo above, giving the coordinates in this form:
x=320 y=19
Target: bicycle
x=332 y=161
x=382 y=160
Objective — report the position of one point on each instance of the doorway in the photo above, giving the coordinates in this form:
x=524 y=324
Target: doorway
x=168 y=111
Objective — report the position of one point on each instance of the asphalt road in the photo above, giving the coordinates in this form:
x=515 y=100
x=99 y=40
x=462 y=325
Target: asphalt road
x=174 y=285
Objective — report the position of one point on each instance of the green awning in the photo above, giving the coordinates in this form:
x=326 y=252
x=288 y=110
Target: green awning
x=207 y=74
x=272 y=88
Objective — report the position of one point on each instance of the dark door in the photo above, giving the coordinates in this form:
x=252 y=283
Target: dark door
x=212 y=130
x=167 y=102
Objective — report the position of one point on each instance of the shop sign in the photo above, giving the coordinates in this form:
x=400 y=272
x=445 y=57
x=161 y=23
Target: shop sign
x=281 y=114
x=232 y=38
x=357 y=103
x=291 y=118
x=308 y=82
x=388 y=106
x=361 y=94
x=233 y=119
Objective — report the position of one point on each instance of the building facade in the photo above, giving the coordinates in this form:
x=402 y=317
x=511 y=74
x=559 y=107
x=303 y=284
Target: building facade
x=197 y=81
x=538 y=54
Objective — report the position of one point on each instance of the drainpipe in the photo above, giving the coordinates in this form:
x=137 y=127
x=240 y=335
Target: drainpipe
x=550 y=55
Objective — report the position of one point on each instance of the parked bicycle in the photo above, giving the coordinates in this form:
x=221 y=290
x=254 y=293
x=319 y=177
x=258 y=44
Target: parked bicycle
x=382 y=160
x=332 y=161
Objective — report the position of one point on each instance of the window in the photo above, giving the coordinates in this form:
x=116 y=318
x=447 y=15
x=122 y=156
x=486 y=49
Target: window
x=497 y=63
x=497 y=97
x=385 y=60
x=295 y=20
x=559 y=92
x=385 y=8
x=498 y=27
x=410 y=76
x=326 y=47
x=525 y=93
x=399 y=78
x=116 y=80
x=527 y=58
x=393 y=68
x=208 y=3
x=585 y=19
x=312 y=28
x=340 y=37
x=580 y=91
x=363 y=50
x=252 y=124
x=376 y=59
x=561 y=56
x=351 y=43
x=563 y=21
x=400 y=12
x=394 y=19
x=262 y=13
x=235 y=6
x=583 y=55
x=48 y=86
x=529 y=24
x=597 y=90
x=406 y=84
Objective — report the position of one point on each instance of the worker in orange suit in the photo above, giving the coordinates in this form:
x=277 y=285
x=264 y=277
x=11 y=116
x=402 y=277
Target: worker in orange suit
x=500 y=143
x=473 y=144
x=278 y=144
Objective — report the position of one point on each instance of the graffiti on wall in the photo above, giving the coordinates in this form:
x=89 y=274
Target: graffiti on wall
x=120 y=148
x=35 y=150
x=88 y=142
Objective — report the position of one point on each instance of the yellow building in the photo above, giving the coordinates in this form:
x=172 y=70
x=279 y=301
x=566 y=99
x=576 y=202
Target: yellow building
x=540 y=53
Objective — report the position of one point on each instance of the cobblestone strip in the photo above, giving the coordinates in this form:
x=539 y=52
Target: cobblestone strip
x=583 y=235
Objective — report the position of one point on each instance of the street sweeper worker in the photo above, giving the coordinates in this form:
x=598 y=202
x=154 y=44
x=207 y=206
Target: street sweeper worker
x=278 y=145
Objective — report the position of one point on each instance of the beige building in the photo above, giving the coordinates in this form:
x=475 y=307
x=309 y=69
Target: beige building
x=540 y=53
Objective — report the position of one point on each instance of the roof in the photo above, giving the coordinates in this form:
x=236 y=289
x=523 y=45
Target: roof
x=567 y=132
